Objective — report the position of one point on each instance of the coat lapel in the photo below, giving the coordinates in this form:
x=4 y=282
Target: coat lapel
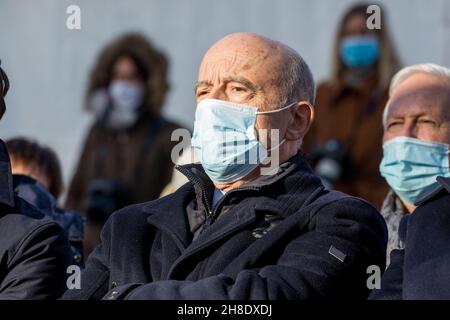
x=169 y=216
x=227 y=225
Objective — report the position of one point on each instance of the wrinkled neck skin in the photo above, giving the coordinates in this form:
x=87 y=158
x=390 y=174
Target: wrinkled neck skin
x=225 y=187
x=409 y=207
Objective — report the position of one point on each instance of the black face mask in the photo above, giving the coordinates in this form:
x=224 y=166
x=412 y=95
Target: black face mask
x=4 y=87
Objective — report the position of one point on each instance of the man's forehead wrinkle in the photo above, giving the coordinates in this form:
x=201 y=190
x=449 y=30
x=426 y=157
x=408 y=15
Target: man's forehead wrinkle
x=419 y=86
x=428 y=100
x=240 y=57
x=406 y=102
x=216 y=70
x=261 y=60
x=249 y=45
x=231 y=64
x=416 y=95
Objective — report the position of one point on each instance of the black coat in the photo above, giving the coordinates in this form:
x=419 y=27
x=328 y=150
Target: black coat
x=281 y=237
x=72 y=222
x=422 y=269
x=34 y=253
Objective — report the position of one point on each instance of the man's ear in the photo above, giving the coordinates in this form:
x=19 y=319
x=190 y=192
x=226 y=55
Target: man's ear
x=302 y=116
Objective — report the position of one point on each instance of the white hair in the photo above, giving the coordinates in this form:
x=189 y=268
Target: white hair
x=405 y=73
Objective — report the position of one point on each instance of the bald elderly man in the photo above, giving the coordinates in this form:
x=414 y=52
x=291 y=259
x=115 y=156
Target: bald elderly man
x=236 y=231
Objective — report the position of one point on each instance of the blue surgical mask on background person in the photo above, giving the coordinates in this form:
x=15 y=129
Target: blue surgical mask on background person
x=359 y=51
x=226 y=141
x=411 y=166
x=126 y=98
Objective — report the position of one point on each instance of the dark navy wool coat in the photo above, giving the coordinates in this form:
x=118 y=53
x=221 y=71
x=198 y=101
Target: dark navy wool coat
x=278 y=237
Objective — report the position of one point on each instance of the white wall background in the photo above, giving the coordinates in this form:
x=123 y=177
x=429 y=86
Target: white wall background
x=48 y=64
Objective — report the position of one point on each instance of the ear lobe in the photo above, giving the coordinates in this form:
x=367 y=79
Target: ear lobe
x=299 y=124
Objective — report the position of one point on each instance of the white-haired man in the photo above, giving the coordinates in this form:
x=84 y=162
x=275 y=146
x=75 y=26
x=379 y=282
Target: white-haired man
x=416 y=153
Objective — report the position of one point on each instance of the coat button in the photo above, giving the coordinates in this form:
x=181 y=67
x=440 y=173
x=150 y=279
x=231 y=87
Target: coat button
x=113 y=284
x=259 y=232
x=113 y=295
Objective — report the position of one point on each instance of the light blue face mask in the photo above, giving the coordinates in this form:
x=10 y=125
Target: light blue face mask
x=359 y=51
x=225 y=139
x=411 y=166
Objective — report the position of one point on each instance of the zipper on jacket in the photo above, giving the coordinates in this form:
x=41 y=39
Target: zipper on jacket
x=198 y=182
x=211 y=214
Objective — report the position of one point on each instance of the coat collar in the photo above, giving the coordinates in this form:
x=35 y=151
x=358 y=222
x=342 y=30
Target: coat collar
x=204 y=187
x=444 y=182
x=6 y=181
x=444 y=187
x=35 y=193
x=169 y=214
x=292 y=187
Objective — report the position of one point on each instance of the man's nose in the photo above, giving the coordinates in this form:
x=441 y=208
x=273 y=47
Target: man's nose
x=217 y=93
x=409 y=130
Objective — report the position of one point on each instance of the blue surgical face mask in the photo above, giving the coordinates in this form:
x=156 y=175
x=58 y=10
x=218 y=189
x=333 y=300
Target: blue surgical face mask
x=411 y=166
x=126 y=98
x=359 y=51
x=225 y=139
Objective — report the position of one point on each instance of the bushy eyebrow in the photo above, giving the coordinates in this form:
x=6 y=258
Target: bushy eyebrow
x=200 y=84
x=244 y=81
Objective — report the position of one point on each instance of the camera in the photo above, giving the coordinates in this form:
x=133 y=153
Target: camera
x=332 y=162
x=104 y=198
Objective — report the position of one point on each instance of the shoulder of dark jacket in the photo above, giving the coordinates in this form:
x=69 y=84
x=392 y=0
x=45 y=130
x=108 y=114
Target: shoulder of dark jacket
x=26 y=220
x=442 y=190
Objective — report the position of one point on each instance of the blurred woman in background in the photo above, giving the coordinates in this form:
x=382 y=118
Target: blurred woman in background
x=345 y=141
x=126 y=156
